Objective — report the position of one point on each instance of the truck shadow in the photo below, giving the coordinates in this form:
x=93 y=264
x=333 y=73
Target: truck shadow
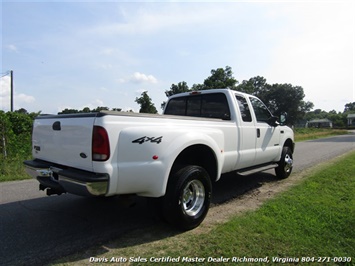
x=40 y=231
x=231 y=185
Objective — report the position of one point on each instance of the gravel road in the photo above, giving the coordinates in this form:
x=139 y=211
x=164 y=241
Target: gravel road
x=36 y=229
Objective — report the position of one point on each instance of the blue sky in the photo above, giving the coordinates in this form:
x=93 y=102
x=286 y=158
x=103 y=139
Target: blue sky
x=68 y=54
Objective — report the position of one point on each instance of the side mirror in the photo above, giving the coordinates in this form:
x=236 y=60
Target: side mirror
x=272 y=121
x=283 y=118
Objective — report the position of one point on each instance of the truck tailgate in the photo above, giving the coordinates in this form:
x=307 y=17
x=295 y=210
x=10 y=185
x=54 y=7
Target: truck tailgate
x=64 y=139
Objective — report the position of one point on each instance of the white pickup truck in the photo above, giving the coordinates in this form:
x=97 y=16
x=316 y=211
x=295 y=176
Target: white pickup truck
x=175 y=157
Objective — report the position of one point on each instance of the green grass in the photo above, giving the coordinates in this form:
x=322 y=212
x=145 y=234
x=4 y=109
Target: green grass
x=302 y=134
x=12 y=169
x=316 y=218
x=312 y=221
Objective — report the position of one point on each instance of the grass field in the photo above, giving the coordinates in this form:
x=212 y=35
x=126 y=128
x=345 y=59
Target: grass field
x=302 y=134
x=311 y=223
x=12 y=169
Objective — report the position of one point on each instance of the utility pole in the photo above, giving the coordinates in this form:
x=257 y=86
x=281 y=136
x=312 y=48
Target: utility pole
x=12 y=89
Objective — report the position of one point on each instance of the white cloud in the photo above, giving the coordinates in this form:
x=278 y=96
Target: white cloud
x=5 y=85
x=21 y=100
x=12 y=47
x=138 y=77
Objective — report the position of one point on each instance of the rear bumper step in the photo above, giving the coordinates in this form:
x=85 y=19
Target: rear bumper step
x=58 y=180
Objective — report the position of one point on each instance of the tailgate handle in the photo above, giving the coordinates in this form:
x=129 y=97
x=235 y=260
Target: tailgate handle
x=56 y=126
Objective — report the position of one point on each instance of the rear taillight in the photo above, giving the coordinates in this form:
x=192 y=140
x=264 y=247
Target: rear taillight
x=100 y=144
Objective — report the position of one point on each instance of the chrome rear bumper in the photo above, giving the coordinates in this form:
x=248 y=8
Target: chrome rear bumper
x=57 y=180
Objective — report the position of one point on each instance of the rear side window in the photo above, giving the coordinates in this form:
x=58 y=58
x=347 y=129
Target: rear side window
x=176 y=106
x=212 y=105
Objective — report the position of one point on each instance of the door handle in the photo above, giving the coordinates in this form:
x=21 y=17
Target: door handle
x=258 y=132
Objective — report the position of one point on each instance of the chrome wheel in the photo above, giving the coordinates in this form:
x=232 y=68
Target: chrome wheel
x=285 y=164
x=187 y=199
x=288 y=163
x=193 y=197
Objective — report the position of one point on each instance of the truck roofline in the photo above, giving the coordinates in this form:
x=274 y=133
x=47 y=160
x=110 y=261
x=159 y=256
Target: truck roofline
x=209 y=91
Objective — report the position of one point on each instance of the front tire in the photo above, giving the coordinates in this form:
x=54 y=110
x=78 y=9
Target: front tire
x=187 y=198
x=285 y=164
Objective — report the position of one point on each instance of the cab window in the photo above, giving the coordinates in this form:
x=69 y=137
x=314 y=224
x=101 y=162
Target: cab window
x=212 y=105
x=261 y=112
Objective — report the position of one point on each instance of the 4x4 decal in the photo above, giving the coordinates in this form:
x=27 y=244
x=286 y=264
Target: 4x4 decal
x=141 y=140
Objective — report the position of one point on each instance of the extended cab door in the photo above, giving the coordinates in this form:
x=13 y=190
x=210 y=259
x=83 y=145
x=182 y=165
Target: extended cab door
x=247 y=134
x=267 y=136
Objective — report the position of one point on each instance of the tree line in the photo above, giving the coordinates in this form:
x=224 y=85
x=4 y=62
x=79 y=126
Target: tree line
x=277 y=97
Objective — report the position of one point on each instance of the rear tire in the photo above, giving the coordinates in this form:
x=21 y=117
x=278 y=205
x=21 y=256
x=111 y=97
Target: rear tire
x=187 y=199
x=285 y=164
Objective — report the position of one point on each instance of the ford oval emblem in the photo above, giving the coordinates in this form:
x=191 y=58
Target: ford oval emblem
x=83 y=155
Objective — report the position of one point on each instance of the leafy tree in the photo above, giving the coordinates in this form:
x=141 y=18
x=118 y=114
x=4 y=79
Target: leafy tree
x=288 y=98
x=100 y=108
x=338 y=119
x=179 y=88
x=349 y=107
x=87 y=110
x=146 y=104
x=68 y=111
x=278 y=97
x=15 y=134
x=22 y=111
x=316 y=114
x=220 y=78
x=253 y=86
x=175 y=89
